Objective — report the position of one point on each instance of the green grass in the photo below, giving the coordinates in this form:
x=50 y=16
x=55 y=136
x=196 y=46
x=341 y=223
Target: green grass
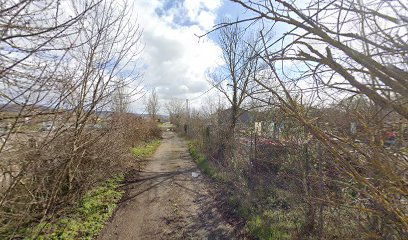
x=88 y=218
x=273 y=224
x=146 y=150
x=201 y=160
x=94 y=209
x=404 y=150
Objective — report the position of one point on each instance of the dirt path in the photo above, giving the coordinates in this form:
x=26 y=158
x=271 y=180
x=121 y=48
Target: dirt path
x=164 y=201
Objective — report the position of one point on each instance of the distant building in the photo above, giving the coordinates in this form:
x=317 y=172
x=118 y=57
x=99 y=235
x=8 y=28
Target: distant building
x=245 y=118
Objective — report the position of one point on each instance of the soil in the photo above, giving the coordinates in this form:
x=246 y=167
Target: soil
x=165 y=201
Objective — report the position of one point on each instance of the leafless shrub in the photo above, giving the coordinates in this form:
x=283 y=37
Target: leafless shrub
x=336 y=79
x=59 y=75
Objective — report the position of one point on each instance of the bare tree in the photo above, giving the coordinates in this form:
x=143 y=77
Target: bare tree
x=236 y=76
x=152 y=104
x=371 y=58
x=122 y=97
x=330 y=52
x=344 y=49
x=60 y=69
x=175 y=109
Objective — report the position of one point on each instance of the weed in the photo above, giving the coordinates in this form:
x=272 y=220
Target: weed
x=202 y=162
x=266 y=225
x=273 y=224
x=88 y=218
x=146 y=150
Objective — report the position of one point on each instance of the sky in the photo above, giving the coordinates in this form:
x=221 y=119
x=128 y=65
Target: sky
x=174 y=60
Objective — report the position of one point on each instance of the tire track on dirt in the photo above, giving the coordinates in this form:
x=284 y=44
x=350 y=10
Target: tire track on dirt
x=164 y=201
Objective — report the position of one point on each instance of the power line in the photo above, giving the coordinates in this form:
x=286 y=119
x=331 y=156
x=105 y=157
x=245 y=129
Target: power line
x=282 y=37
x=214 y=86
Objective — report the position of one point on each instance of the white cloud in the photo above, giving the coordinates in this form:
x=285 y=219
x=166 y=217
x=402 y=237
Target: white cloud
x=201 y=11
x=175 y=60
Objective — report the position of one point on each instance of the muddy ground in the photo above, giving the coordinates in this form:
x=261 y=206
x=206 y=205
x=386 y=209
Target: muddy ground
x=164 y=201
